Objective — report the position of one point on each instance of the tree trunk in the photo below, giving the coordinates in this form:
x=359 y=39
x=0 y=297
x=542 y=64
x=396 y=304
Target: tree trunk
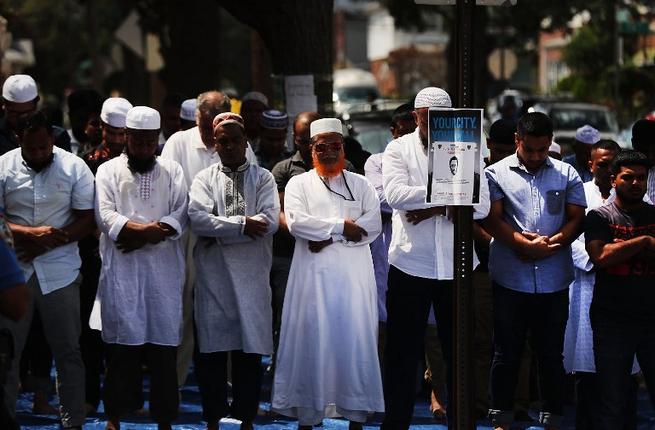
x=189 y=34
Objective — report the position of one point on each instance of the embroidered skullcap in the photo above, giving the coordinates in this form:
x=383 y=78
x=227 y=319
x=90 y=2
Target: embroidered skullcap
x=587 y=134
x=227 y=118
x=114 y=111
x=188 y=110
x=274 y=119
x=555 y=147
x=143 y=118
x=255 y=96
x=19 y=89
x=325 y=125
x=432 y=97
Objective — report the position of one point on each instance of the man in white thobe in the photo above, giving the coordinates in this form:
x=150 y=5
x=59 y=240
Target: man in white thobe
x=421 y=257
x=194 y=149
x=327 y=363
x=578 y=338
x=141 y=210
x=234 y=210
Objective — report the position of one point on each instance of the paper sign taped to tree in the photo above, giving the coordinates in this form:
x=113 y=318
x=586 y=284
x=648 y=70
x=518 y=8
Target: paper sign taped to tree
x=454 y=156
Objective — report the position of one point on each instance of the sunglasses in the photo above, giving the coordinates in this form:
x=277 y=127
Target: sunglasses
x=322 y=147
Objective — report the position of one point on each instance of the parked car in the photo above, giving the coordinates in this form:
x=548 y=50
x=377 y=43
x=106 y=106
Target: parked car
x=370 y=123
x=568 y=117
x=353 y=86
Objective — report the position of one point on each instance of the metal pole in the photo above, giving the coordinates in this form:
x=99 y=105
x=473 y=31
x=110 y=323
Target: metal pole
x=463 y=381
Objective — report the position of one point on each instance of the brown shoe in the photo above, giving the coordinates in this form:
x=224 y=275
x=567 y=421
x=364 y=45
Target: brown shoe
x=436 y=409
x=113 y=424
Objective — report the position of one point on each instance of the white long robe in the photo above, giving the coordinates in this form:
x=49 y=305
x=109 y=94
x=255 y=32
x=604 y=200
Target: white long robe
x=141 y=291
x=327 y=361
x=232 y=293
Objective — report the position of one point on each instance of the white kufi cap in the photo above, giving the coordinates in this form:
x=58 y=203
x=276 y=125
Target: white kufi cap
x=555 y=147
x=143 y=118
x=432 y=97
x=114 y=111
x=188 y=110
x=587 y=134
x=19 y=89
x=325 y=125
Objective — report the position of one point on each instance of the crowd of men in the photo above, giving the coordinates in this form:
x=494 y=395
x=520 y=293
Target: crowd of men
x=226 y=248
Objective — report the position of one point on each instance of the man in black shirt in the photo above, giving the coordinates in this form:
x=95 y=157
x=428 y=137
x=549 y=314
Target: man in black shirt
x=620 y=240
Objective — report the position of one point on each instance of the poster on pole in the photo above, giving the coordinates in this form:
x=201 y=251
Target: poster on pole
x=455 y=137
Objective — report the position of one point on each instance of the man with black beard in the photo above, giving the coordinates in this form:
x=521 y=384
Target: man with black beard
x=620 y=240
x=47 y=194
x=141 y=212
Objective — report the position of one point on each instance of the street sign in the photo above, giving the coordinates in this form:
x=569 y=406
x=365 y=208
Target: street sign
x=502 y=63
x=477 y=2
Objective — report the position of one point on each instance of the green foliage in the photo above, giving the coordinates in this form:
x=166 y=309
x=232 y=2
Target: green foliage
x=64 y=38
x=590 y=50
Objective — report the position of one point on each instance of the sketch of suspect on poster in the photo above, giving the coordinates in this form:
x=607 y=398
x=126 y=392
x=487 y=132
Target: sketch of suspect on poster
x=454 y=156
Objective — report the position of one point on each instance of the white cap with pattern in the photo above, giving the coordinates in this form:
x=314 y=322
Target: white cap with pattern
x=19 y=89
x=188 y=110
x=114 y=111
x=143 y=118
x=325 y=125
x=432 y=97
x=587 y=134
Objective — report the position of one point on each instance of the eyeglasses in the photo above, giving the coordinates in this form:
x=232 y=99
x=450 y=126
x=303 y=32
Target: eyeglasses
x=322 y=147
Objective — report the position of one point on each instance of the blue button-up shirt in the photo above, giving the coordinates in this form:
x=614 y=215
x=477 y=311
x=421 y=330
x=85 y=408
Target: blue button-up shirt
x=583 y=171
x=47 y=197
x=534 y=202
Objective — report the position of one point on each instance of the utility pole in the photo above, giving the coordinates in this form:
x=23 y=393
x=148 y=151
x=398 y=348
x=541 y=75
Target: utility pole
x=463 y=388
x=463 y=314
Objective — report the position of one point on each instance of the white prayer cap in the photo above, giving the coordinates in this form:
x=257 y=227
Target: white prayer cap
x=114 y=110
x=325 y=125
x=587 y=134
x=19 y=89
x=227 y=118
x=188 y=110
x=555 y=147
x=255 y=96
x=143 y=118
x=432 y=97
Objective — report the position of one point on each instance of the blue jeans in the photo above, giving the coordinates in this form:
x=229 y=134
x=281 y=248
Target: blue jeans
x=545 y=315
x=615 y=345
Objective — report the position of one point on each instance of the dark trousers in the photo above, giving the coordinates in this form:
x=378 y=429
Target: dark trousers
x=36 y=359
x=588 y=402
x=123 y=384
x=91 y=344
x=545 y=315
x=408 y=305
x=211 y=371
x=615 y=345
x=7 y=421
